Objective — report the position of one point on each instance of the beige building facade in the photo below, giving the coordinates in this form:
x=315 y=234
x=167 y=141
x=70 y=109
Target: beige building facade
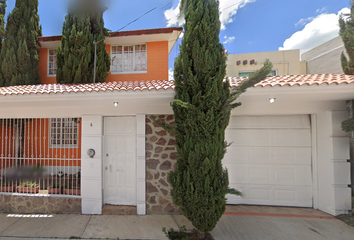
x=284 y=63
x=325 y=58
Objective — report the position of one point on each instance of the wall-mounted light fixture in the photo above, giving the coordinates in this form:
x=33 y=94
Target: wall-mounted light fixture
x=115 y=104
x=272 y=100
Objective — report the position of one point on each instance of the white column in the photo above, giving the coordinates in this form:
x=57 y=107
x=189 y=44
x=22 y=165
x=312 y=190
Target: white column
x=140 y=153
x=341 y=167
x=91 y=168
x=333 y=170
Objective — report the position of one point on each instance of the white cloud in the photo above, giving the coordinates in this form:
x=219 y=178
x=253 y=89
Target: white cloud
x=228 y=39
x=228 y=9
x=170 y=74
x=172 y=16
x=304 y=21
x=321 y=10
x=318 y=30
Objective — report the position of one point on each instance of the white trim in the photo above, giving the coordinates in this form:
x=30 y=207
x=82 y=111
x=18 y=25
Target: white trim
x=140 y=164
x=118 y=73
x=313 y=119
x=50 y=75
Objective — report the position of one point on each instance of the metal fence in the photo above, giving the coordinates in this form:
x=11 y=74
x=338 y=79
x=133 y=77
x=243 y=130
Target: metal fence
x=40 y=156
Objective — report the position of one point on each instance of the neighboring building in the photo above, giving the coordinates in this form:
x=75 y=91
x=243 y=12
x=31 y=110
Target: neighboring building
x=97 y=144
x=325 y=58
x=284 y=63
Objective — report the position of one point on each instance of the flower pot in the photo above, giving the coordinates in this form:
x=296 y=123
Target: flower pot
x=75 y=191
x=21 y=189
x=8 y=188
x=54 y=190
x=43 y=191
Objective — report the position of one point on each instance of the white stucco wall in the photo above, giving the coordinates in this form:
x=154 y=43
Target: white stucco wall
x=325 y=105
x=325 y=58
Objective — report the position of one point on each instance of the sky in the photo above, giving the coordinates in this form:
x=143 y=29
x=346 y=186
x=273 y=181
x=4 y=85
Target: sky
x=246 y=25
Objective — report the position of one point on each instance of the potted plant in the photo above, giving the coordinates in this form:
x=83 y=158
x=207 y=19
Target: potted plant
x=72 y=191
x=28 y=187
x=54 y=188
x=7 y=187
x=72 y=186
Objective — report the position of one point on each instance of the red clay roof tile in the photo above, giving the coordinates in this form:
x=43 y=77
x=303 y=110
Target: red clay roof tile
x=89 y=87
x=299 y=80
x=289 y=80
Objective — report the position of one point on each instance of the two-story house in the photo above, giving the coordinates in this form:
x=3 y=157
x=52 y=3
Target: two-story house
x=88 y=146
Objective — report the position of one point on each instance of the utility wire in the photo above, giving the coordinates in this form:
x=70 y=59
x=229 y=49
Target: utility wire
x=137 y=18
x=232 y=5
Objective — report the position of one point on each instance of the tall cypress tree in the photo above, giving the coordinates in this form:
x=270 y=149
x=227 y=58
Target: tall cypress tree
x=347 y=34
x=19 y=52
x=2 y=22
x=75 y=58
x=202 y=106
x=2 y=32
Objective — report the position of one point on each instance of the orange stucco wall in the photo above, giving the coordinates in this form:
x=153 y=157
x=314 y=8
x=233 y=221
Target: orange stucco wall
x=36 y=149
x=43 y=67
x=157 y=65
x=6 y=147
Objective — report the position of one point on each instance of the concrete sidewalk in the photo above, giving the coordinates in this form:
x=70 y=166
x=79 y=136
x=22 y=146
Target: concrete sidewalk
x=253 y=223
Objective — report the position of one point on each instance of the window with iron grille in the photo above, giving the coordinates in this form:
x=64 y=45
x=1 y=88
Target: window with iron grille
x=52 y=62
x=64 y=132
x=129 y=58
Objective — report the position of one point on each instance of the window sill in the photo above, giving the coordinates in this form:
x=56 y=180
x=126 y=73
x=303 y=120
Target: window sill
x=51 y=75
x=120 y=73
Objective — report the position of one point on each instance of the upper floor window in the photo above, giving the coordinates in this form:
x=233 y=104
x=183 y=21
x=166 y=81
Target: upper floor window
x=247 y=74
x=64 y=132
x=129 y=58
x=52 y=62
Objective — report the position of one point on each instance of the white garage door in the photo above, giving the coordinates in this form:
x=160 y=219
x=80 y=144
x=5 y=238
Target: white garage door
x=269 y=160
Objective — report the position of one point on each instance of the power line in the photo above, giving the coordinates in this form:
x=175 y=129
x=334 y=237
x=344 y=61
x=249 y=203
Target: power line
x=232 y=5
x=137 y=18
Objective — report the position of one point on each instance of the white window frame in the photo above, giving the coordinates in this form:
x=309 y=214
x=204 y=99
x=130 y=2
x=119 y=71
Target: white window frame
x=74 y=122
x=48 y=58
x=127 y=45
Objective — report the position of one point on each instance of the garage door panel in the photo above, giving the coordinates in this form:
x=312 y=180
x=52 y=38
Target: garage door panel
x=268 y=195
x=269 y=155
x=269 y=137
x=291 y=121
x=269 y=160
x=270 y=174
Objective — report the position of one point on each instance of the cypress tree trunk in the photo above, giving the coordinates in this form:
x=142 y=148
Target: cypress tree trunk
x=19 y=52
x=202 y=106
x=75 y=58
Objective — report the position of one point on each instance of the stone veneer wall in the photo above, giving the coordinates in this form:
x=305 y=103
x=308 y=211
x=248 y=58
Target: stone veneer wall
x=39 y=204
x=161 y=158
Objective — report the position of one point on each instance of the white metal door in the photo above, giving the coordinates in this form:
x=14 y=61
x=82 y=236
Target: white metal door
x=119 y=163
x=269 y=160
